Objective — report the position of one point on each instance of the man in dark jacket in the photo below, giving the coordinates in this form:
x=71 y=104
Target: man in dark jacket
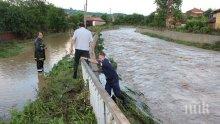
x=39 y=52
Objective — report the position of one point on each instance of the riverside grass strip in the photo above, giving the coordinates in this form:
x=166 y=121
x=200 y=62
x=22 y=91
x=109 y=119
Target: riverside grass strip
x=215 y=47
x=61 y=99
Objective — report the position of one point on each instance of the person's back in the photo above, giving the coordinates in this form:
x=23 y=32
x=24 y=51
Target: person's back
x=83 y=38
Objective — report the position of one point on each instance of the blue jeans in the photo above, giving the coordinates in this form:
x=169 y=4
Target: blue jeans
x=113 y=84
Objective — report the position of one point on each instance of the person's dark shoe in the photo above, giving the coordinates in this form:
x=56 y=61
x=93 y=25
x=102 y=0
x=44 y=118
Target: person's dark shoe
x=114 y=98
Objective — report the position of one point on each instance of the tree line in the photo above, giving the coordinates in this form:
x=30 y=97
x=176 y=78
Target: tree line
x=25 y=18
x=167 y=15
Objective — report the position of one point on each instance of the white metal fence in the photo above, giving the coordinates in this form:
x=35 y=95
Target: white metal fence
x=105 y=109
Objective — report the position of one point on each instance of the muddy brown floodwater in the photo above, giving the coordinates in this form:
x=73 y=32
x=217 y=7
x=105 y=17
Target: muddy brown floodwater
x=180 y=84
x=18 y=76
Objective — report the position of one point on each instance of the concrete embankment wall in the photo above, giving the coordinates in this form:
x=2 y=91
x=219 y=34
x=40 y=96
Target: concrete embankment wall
x=196 y=38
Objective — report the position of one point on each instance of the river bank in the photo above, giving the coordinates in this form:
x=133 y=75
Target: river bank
x=61 y=99
x=204 y=41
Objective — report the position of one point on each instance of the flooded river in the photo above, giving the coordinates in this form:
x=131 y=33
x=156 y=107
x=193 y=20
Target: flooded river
x=180 y=84
x=18 y=75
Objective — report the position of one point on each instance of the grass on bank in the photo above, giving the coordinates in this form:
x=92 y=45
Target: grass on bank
x=12 y=48
x=63 y=100
x=215 y=47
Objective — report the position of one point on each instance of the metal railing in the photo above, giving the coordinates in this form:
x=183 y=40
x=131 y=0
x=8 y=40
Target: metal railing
x=105 y=109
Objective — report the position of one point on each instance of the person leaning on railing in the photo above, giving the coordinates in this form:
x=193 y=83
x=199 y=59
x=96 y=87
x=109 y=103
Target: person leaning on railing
x=112 y=79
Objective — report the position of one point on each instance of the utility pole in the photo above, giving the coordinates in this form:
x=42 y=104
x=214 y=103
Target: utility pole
x=111 y=15
x=85 y=12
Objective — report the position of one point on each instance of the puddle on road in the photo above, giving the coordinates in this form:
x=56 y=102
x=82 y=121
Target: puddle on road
x=170 y=76
x=19 y=78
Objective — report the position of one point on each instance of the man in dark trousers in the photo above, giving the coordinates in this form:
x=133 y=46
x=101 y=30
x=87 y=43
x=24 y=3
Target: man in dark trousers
x=112 y=79
x=81 y=39
x=39 y=52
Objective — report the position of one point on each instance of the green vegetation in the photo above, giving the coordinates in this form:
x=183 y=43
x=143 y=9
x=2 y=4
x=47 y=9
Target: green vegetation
x=25 y=18
x=75 y=19
x=134 y=19
x=62 y=100
x=208 y=13
x=168 y=13
x=137 y=112
x=155 y=19
x=9 y=49
x=215 y=47
x=107 y=18
x=99 y=47
x=196 y=25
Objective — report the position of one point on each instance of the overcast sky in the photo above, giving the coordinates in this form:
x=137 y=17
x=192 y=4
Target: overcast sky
x=130 y=6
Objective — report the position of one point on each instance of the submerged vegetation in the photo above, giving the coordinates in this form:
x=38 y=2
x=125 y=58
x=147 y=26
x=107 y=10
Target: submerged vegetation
x=137 y=112
x=60 y=100
x=9 y=49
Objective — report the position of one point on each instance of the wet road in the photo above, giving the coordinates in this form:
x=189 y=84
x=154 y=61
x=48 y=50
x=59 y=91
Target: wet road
x=19 y=80
x=180 y=84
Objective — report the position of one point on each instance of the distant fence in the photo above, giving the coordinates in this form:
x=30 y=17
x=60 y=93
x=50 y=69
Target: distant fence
x=105 y=109
x=6 y=36
x=196 y=38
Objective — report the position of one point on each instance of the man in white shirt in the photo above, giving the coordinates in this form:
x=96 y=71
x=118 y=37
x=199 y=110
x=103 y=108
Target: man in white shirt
x=82 y=39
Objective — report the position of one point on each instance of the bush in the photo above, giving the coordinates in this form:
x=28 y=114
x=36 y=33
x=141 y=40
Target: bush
x=197 y=25
x=26 y=17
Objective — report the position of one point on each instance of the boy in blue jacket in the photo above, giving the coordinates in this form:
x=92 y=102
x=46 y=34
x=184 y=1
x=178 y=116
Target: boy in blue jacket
x=112 y=79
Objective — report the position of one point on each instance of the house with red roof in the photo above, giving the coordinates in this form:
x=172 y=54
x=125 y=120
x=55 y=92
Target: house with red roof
x=195 y=12
x=93 y=21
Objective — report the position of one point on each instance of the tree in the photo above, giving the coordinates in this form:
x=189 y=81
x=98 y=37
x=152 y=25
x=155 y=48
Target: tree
x=208 y=13
x=106 y=18
x=26 y=17
x=75 y=19
x=169 y=10
x=57 y=19
x=4 y=8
